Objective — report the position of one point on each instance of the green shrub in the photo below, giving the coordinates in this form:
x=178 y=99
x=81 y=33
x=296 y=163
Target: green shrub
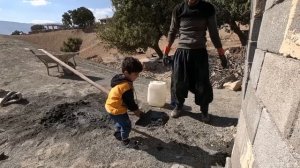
x=37 y=28
x=17 y=32
x=72 y=45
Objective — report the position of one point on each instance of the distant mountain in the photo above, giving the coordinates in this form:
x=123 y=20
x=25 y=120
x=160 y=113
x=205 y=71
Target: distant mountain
x=7 y=27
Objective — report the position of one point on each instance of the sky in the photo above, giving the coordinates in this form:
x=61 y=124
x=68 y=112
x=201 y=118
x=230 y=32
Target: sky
x=49 y=11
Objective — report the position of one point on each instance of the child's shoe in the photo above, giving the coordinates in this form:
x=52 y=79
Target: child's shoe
x=130 y=144
x=117 y=135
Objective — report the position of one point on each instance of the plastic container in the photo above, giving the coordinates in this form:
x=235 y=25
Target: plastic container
x=157 y=93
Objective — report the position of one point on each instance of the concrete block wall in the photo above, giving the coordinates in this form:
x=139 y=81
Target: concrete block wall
x=268 y=134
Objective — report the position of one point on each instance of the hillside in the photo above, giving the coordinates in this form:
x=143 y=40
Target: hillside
x=93 y=48
x=7 y=27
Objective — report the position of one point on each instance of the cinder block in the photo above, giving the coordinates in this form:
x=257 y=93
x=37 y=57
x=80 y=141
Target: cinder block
x=245 y=78
x=235 y=157
x=246 y=97
x=295 y=134
x=279 y=90
x=259 y=8
x=242 y=155
x=256 y=67
x=246 y=158
x=270 y=3
x=273 y=26
x=291 y=43
x=238 y=142
x=270 y=150
x=252 y=115
x=295 y=26
x=228 y=163
x=254 y=28
x=252 y=45
x=252 y=7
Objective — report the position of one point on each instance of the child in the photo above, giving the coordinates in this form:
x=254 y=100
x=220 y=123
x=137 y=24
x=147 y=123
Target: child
x=121 y=98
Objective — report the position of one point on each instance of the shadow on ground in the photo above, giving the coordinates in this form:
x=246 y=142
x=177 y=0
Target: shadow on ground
x=152 y=119
x=168 y=106
x=175 y=152
x=216 y=121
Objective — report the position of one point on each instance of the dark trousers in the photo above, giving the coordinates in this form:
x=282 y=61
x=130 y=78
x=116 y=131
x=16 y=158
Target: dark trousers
x=190 y=72
x=122 y=125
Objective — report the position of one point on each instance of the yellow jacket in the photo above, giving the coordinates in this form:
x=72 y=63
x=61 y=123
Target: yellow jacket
x=120 y=97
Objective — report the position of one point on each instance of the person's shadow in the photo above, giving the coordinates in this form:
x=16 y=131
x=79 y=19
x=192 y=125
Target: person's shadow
x=216 y=121
x=175 y=152
x=168 y=106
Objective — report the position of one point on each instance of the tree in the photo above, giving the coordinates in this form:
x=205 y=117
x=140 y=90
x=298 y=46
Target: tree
x=67 y=20
x=138 y=24
x=234 y=12
x=37 y=28
x=17 y=32
x=82 y=17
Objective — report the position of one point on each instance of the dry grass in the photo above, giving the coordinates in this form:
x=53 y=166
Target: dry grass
x=92 y=48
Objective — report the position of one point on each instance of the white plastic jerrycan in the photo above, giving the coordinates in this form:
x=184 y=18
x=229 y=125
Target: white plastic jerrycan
x=157 y=93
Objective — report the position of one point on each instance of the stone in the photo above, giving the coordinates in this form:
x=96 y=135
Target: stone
x=252 y=45
x=256 y=67
x=228 y=162
x=235 y=86
x=272 y=3
x=247 y=96
x=279 y=90
x=273 y=26
x=242 y=154
x=247 y=158
x=291 y=43
x=252 y=114
x=245 y=78
x=259 y=6
x=177 y=166
x=295 y=133
x=238 y=141
x=254 y=28
x=270 y=150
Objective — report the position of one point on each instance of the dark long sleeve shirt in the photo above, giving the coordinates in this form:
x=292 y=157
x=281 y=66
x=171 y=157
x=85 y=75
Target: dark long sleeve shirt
x=191 y=23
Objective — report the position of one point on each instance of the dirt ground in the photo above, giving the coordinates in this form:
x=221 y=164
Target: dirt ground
x=62 y=122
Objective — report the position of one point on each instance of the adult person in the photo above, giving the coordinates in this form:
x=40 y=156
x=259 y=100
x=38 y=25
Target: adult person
x=190 y=68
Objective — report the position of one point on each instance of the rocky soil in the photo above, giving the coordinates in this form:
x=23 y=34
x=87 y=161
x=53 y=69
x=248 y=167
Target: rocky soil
x=62 y=123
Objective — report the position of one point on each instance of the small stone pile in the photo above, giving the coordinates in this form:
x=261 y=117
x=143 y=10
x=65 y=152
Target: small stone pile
x=234 y=72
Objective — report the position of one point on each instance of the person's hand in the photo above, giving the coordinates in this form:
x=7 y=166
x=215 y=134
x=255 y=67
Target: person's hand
x=223 y=58
x=223 y=61
x=221 y=51
x=166 y=58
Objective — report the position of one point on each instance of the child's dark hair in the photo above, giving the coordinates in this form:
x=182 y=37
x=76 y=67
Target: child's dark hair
x=131 y=64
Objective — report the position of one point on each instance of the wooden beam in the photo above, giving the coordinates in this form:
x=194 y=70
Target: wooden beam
x=103 y=89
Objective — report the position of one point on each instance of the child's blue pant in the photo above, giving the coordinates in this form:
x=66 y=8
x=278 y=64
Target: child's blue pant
x=122 y=124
